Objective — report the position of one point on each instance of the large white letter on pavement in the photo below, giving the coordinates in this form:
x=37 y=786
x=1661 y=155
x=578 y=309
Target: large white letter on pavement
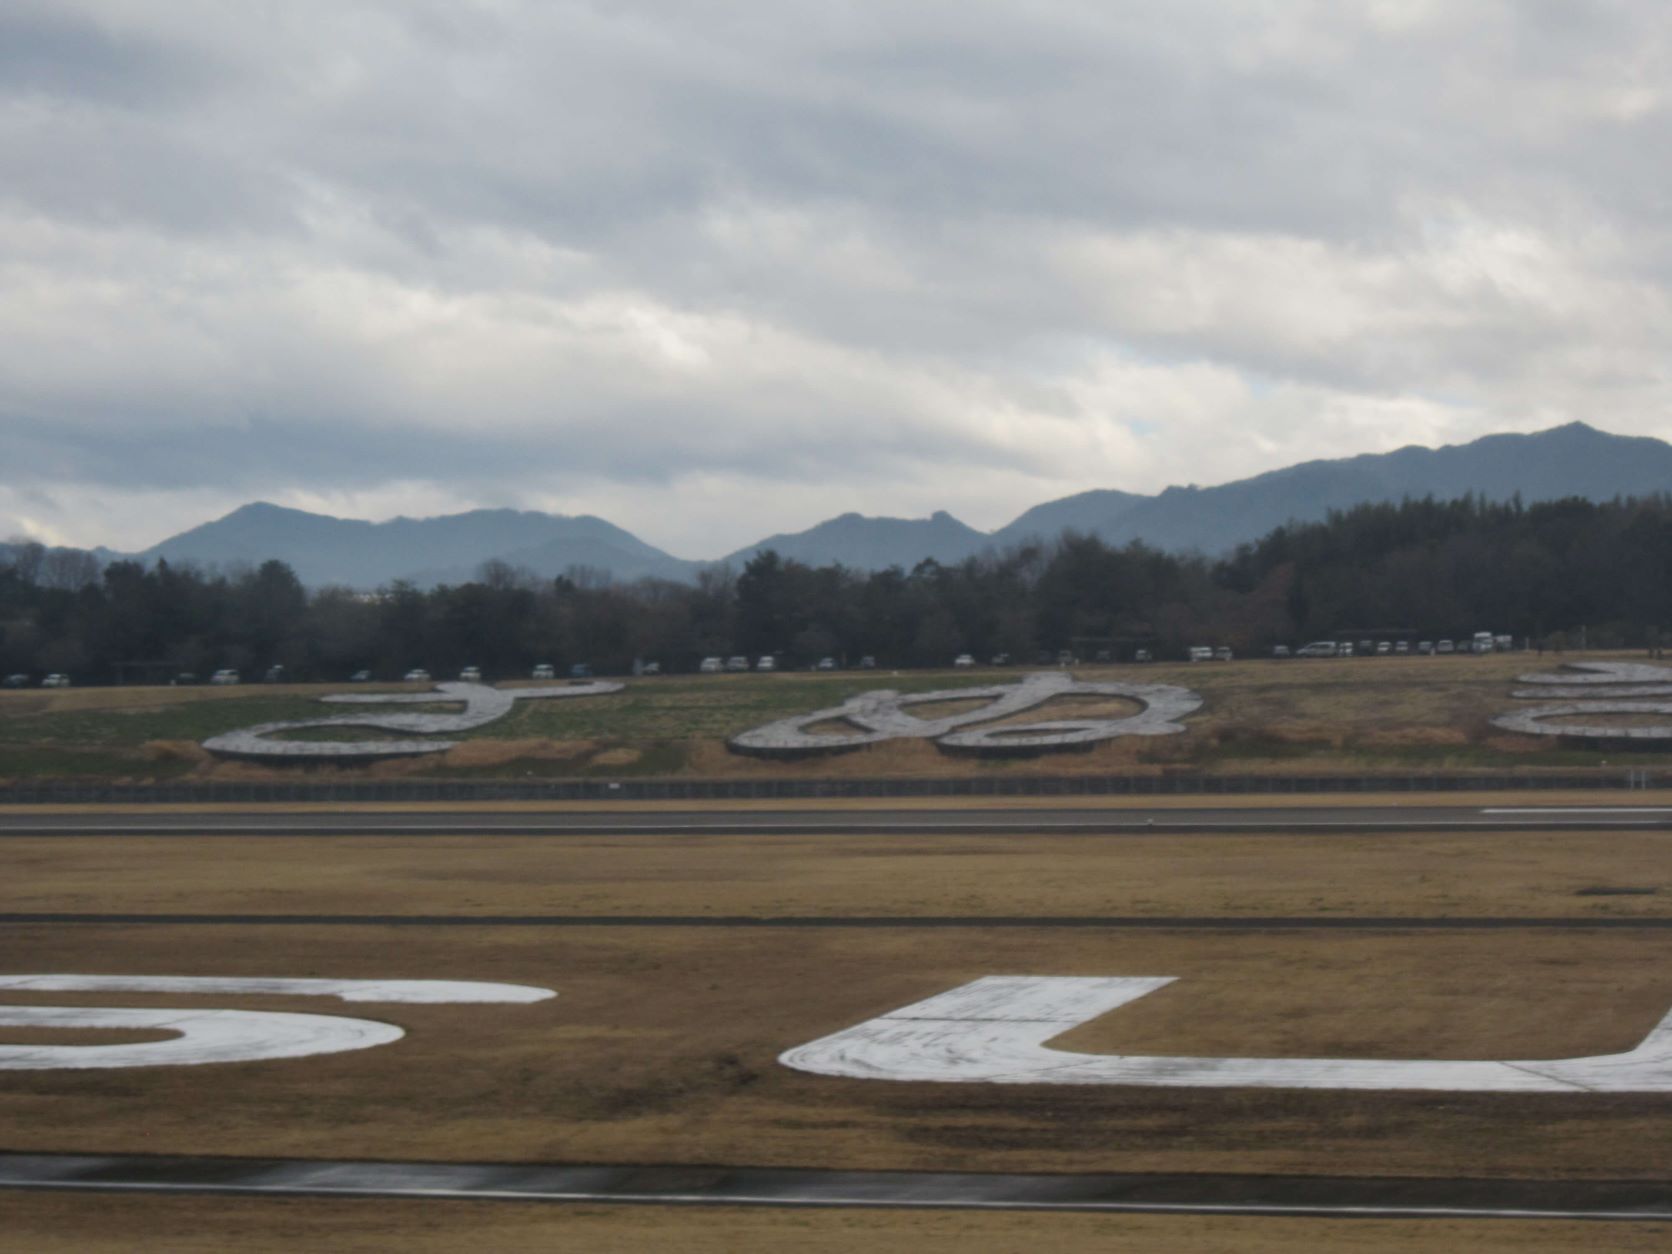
x=205 y=1036
x=995 y=1031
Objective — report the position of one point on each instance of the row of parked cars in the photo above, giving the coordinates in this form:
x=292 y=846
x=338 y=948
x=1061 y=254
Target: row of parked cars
x=1480 y=642
x=737 y=663
x=19 y=680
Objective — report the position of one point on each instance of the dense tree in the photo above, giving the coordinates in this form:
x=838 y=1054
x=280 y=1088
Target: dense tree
x=1419 y=567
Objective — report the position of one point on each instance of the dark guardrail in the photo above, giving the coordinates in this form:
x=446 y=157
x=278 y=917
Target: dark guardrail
x=48 y=792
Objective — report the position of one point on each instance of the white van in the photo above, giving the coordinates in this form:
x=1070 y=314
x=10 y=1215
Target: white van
x=711 y=666
x=1200 y=653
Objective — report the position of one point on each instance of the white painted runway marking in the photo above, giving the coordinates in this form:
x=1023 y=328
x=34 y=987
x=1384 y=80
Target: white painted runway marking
x=433 y=992
x=1577 y=810
x=206 y=1036
x=994 y=1031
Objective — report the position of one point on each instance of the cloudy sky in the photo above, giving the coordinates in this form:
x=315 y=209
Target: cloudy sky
x=717 y=268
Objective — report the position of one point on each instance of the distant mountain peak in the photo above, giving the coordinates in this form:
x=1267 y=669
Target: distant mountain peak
x=1573 y=459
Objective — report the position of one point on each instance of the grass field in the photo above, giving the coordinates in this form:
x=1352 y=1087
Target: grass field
x=1395 y=714
x=662 y=1044
x=1539 y=874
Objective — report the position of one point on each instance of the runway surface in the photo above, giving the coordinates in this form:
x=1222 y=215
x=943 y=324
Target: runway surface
x=1343 y=819
x=1321 y=1196
x=1160 y=922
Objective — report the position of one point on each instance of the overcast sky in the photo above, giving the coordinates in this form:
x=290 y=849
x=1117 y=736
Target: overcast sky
x=717 y=269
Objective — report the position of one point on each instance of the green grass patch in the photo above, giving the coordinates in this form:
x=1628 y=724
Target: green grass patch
x=21 y=762
x=188 y=720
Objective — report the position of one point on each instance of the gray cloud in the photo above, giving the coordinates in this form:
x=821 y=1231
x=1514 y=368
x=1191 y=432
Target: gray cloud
x=647 y=257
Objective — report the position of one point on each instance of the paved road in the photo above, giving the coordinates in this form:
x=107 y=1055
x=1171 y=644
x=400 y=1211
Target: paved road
x=1648 y=1200
x=1102 y=821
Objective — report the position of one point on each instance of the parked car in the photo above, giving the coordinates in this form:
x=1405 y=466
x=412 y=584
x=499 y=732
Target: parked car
x=226 y=675
x=56 y=680
x=1425 y=647
x=711 y=666
x=360 y=677
x=825 y=664
x=1344 y=649
x=1402 y=648
x=1103 y=656
x=737 y=662
x=1280 y=650
x=1383 y=648
x=273 y=675
x=1143 y=655
x=581 y=670
x=867 y=663
x=1318 y=648
x=1200 y=653
x=1222 y=654
x=1065 y=658
x=471 y=675
x=1445 y=646
x=1482 y=642
x=1503 y=644
x=417 y=675
x=18 y=680
x=1001 y=659
x=545 y=670
x=964 y=659
x=766 y=663
x=650 y=668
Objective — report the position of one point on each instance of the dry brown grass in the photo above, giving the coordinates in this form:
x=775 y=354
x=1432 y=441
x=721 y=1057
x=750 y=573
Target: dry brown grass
x=1431 y=875
x=55 y=1223
x=662 y=1046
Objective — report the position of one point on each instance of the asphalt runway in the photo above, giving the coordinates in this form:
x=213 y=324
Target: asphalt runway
x=1160 y=922
x=1343 y=819
x=1319 y=1196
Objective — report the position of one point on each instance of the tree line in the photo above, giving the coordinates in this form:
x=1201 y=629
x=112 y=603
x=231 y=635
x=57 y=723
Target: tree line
x=1413 y=569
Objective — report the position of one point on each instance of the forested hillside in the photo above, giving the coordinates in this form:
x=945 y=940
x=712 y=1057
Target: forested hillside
x=1420 y=569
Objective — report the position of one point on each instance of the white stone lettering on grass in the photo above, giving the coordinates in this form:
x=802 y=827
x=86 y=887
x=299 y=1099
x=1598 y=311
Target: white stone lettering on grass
x=1584 y=691
x=481 y=705
x=996 y=1030
x=873 y=717
x=207 y=1036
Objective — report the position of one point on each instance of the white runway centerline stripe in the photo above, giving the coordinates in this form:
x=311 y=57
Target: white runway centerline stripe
x=755 y=1186
x=1577 y=810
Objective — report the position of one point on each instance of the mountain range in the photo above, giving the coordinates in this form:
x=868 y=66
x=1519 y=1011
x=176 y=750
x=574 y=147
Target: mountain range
x=1571 y=460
